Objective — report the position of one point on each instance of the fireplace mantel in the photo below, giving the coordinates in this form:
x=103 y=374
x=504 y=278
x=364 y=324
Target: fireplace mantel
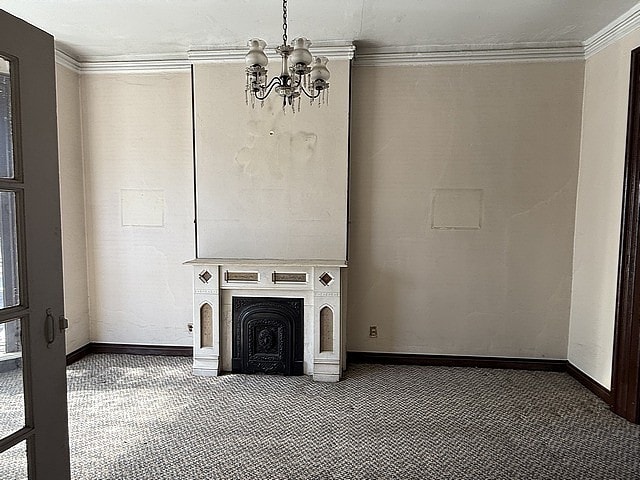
x=267 y=261
x=321 y=283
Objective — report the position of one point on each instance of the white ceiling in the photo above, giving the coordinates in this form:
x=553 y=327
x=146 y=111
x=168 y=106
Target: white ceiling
x=104 y=28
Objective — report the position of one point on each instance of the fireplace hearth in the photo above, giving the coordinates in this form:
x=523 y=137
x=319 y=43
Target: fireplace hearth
x=268 y=335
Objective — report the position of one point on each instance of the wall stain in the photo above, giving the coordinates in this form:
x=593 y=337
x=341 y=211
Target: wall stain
x=272 y=149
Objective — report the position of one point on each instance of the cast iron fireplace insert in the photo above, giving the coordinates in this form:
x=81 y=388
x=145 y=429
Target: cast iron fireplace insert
x=267 y=335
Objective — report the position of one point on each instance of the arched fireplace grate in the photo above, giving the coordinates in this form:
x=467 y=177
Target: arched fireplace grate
x=268 y=335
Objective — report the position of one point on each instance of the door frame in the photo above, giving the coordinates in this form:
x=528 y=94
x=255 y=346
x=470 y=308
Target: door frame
x=625 y=384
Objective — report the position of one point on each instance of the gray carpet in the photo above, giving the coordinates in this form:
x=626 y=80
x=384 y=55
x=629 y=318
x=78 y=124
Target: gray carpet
x=134 y=417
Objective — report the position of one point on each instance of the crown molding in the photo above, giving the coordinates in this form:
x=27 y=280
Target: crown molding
x=68 y=61
x=341 y=51
x=613 y=32
x=179 y=61
x=135 y=66
x=133 y=63
x=387 y=56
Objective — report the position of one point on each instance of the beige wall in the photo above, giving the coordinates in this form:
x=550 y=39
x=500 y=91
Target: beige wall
x=598 y=210
x=74 y=249
x=501 y=139
x=139 y=180
x=496 y=143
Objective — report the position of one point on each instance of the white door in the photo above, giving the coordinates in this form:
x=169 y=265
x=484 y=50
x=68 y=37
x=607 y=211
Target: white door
x=33 y=413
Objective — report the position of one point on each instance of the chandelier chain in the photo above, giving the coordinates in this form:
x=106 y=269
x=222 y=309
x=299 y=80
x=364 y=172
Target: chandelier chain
x=284 y=22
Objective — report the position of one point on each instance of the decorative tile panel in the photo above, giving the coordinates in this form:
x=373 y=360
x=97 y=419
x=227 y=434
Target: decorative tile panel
x=326 y=278
x=241 y=276
x=205 y=276
x=288 y=277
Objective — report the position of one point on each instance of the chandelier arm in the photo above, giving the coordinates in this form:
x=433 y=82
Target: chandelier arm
x=274 y=81
x=304 y=90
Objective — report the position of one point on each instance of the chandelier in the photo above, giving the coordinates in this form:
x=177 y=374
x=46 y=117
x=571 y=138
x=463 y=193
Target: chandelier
x=300 y=78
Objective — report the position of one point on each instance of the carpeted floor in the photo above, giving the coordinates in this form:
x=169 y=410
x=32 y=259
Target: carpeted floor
x=134 y=417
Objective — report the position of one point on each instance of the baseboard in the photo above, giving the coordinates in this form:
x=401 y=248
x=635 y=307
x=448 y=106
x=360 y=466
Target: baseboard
x=590 y=383
x=130 y=349
x=76 y=355
x=458 y=361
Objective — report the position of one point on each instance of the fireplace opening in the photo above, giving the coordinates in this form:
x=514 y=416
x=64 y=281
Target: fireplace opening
x=267 y=335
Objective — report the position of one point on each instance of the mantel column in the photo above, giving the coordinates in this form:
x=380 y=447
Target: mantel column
x=327 y=365
x=206 y=320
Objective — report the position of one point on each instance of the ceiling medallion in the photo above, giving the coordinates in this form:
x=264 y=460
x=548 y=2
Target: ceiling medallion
x=295 y=80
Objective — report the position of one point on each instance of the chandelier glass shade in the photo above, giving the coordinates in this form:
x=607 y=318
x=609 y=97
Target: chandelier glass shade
x=301 y=73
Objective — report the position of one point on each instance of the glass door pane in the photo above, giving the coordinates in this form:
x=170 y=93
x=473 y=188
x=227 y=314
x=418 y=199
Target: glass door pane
x=13 y=462
x=6 y=127
x=9 y=285
x=12 y=413
x=13 y=400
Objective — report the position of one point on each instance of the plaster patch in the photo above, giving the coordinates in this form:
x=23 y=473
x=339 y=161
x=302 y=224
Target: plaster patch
x=457 y=209
x=142 y=208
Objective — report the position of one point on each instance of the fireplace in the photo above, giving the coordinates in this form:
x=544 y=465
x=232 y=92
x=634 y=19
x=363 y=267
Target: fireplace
x=271 y=196
x=267 y=335
x=304 y=297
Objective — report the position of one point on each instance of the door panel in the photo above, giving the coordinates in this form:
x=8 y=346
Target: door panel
x=32 y=266
x=6 y=130
x=9 y=276
x=12 y=397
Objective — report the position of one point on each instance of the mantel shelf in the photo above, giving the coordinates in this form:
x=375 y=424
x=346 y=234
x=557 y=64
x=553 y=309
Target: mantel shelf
x=267 y=261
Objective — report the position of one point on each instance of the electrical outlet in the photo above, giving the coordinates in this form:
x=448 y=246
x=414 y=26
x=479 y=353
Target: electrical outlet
x=190 y=327
x=373 y=331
